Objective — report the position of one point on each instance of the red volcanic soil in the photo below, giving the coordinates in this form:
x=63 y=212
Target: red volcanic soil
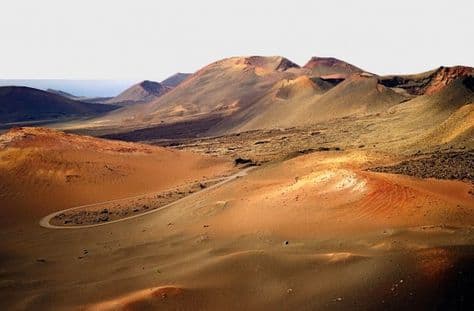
x=314 y=232
x=42 y=171
x=446 y=75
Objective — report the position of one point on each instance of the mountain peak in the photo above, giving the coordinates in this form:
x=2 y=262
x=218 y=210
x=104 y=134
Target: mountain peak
x=278 y=63
x=142 y=92
x=445 y=75
x=151 y=86
x=321 y=66
x=174 y=80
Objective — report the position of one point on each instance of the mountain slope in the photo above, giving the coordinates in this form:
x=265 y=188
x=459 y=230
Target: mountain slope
x=427 y=121
x=428 y=82
x=19 y=104
x=142 y=92
x=325 y=66
x=220 y=88
x=63 y=94
x=307 y=104
x=175 y=80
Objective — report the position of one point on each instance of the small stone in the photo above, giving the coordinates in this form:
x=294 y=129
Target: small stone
x=338 y=299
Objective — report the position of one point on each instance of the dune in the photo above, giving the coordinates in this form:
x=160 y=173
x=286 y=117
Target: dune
x=144 y=299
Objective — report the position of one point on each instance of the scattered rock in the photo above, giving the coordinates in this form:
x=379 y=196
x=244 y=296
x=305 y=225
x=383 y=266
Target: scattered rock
x=443 y=165
x=240 y=160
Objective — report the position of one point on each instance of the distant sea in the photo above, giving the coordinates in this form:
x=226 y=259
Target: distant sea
x=86 y=88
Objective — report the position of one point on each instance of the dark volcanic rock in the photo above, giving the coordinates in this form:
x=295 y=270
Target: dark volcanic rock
x=443 y=165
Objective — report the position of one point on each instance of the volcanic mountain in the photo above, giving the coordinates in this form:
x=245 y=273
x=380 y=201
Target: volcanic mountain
x=63 y=94
x=175 y=80
x=256 y=92
x=330 y=66
x=428 y=82
x=220 y=88
x=309 y=104
x=142 y=92
x=18 y=104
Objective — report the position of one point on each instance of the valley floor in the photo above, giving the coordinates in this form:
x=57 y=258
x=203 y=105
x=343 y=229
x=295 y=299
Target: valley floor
x=316 y=231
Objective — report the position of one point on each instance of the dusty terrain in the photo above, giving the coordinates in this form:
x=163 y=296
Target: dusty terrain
x=313 y=232
x=37 y=165
x=114 y=210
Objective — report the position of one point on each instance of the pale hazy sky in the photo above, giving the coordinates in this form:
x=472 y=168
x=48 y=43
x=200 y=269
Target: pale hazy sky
x=143 y=39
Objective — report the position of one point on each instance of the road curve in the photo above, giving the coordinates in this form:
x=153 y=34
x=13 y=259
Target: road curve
x=45 y=221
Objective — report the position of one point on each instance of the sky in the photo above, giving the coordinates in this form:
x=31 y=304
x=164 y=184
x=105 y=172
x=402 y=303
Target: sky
x=140 y=39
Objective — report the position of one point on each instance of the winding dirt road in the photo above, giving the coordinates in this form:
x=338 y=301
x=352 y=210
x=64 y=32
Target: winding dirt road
x=45 y=221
